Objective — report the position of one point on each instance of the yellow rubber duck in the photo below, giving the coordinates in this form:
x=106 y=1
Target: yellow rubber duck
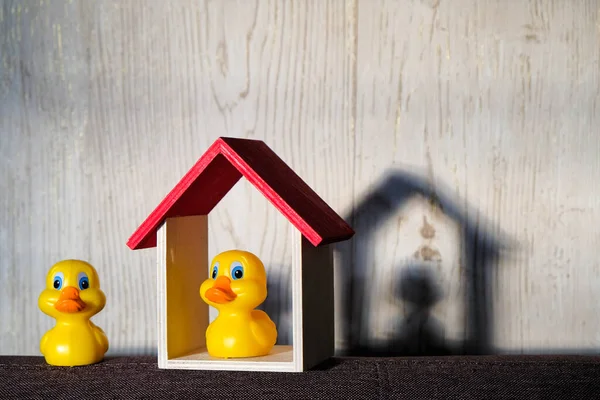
x=237 y=284
x=72 y=296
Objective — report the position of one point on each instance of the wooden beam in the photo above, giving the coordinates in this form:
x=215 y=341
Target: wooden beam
x=182 y=244
x=318 y=324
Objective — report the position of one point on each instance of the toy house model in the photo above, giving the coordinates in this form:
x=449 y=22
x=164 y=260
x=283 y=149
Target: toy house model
x=178 y=228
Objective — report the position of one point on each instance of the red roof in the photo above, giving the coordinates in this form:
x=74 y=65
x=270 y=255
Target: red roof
x=219 y=169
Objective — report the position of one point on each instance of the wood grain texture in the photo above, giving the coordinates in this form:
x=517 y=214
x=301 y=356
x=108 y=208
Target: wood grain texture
x=105 y=105
x=499 y=104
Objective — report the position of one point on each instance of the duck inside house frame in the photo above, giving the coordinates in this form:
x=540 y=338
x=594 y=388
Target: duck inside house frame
x=178 y=228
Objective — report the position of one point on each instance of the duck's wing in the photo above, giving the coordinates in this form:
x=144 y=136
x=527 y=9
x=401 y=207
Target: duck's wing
x=263 y=328
x=101 y=338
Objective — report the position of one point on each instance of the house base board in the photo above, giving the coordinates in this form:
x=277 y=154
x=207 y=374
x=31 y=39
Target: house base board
x=280 y=359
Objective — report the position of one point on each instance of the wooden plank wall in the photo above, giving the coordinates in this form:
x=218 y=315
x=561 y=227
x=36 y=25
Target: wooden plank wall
x=460 y=138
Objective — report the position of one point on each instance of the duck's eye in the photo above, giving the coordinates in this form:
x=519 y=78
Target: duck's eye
x=83 y=280
x=215 y=271
x=237 y=270
x=58 y=280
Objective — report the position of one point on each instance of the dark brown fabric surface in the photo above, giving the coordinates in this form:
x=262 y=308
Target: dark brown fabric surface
x=484 y=377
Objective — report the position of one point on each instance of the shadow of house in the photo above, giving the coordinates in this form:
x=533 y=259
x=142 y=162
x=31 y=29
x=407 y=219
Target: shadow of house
x=480 y=248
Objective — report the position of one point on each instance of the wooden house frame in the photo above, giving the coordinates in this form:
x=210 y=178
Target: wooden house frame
x=178 y=228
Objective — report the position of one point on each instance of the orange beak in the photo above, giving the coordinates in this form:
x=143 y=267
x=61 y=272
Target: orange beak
x=221 y=291
x=69 y=301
